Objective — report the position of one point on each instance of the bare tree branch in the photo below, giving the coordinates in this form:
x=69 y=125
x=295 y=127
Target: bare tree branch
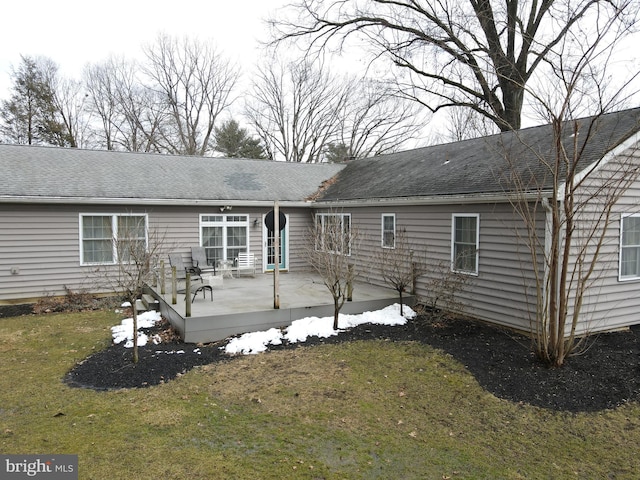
x=295 y=110
x=479 y=54
x=196 y=84
x=328 y=248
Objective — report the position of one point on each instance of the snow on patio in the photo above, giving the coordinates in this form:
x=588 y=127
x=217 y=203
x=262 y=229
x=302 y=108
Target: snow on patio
x=256 y=342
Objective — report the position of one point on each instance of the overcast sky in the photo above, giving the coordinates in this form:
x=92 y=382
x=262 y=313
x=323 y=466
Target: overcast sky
x=76 y=32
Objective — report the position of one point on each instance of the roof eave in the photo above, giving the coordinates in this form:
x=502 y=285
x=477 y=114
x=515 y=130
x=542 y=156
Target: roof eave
x=595 y=166
x=26 y=199
x=475 y=198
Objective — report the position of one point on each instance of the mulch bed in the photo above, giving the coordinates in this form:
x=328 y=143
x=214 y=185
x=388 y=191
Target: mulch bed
x=605 y=376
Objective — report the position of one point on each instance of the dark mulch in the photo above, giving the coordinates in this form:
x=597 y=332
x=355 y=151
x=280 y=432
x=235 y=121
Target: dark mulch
x=605 y=376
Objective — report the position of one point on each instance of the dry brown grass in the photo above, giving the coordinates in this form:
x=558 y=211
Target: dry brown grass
x=366 y=409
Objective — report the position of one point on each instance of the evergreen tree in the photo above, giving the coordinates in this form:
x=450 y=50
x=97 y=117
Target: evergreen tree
x=234 y=142
x=30 y=115
x=338 y=153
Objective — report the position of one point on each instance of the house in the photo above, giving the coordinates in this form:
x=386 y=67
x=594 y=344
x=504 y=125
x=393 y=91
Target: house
x=459 y=201
x=60 y=207
x=464 y=195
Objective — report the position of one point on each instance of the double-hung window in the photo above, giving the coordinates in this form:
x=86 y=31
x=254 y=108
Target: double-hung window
x=334 y=233
x=108 y=239
x=388 y=230
x=224 y=236
x=465 y=243
x=630 y=247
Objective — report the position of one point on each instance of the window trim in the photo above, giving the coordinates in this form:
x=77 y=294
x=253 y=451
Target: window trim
x=454 y=217
x=382 y=230
x=625 y=278
x=321 y=222
x=114 y=232
x=224 y=223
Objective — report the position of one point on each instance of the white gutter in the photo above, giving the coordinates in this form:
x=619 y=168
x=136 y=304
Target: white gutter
x=399 y=201
x=147 y=201
x=502 y=197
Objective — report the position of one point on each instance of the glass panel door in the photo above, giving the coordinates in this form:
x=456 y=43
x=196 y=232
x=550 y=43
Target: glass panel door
x=270 y=250
x=212 y=241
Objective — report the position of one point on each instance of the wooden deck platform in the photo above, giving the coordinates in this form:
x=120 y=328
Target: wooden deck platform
x=246 y=304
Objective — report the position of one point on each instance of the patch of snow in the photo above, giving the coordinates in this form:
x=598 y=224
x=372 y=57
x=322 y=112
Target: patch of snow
x=124 y=331
x=300 y=330
x=254 y=342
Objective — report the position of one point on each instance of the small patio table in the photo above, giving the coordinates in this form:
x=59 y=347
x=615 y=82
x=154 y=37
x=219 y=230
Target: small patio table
x=226 y=268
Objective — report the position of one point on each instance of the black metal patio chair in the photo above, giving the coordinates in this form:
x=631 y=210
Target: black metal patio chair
x=175 y=259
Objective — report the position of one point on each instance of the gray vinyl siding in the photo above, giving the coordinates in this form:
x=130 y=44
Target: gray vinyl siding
x=43 y=243
x=610 y=303
x=300 y=222
x=183 y=229
x=503 y=292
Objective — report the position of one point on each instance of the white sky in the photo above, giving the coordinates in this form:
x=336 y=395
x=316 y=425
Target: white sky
x=76 y=32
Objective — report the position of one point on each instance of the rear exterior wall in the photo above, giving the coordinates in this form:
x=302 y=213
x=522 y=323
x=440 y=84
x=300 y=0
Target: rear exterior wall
x=504 y=289
x=40 y=244
x=610 y=302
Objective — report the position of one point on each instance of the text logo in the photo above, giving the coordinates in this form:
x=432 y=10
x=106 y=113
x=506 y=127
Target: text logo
x=50 y=467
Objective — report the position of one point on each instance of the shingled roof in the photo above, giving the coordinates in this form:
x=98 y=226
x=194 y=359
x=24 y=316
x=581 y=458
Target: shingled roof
x=477 y=166
x=74 y=175
x=480 y=166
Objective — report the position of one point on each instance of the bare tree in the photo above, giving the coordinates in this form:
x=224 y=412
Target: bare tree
x=70 y=100
x=374 y=121
x=295 y=110
x=574 y=193
x=464 y=123
x=196 y=83
x=400 y=264
x=101 y=83
x=130 y=114
x=479 y=54
x=442 y=287
x=328 y=250
x=138 y=249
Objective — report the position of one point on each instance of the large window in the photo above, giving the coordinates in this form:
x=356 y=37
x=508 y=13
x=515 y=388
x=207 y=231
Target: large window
x=334 y=232
x=630 y=247
x=465 y=243
x=224 y=236
x=388 y=230
x=107 y=239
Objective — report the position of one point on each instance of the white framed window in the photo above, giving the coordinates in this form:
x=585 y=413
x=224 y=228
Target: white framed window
x=388 y=230
x=465 y=243
x=334 y=232
x=105 y=238
x=629 y=264
x=224 y=236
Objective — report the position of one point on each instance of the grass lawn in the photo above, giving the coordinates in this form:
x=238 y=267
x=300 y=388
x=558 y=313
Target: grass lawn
x=367 y=409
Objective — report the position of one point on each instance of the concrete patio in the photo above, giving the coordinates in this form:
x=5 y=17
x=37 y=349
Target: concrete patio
x=246 y=304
